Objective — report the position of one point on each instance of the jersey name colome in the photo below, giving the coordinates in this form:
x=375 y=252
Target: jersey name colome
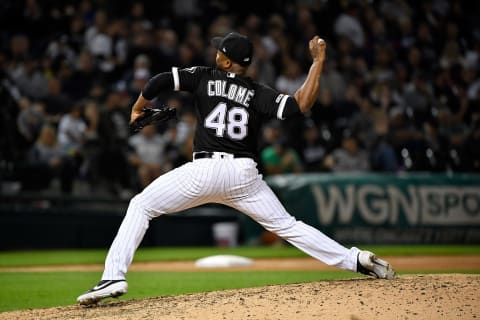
x=231 y=91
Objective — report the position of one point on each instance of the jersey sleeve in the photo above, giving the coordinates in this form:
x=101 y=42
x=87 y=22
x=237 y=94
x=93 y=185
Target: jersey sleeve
x=187 y=79
x=275 y=104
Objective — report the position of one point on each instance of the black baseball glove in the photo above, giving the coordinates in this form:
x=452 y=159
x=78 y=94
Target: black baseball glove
x=152 y=115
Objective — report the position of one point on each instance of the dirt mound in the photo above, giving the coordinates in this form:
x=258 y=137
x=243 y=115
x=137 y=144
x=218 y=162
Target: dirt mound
x=441 y=296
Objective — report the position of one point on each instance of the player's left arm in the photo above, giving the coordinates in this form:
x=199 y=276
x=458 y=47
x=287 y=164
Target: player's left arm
x=308 y=92
x=157 y=84
x=176 y=80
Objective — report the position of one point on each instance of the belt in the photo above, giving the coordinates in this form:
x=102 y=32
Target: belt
x=215 y=155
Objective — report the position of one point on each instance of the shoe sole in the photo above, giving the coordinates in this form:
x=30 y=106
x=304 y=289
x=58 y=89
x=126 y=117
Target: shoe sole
x=113 y=291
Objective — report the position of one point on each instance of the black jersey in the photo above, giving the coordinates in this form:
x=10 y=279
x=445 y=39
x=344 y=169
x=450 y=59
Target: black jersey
x=230 y=109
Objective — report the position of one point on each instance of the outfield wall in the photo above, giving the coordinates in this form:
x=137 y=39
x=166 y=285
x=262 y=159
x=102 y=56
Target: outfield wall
x=351 y=208
x=381 y=208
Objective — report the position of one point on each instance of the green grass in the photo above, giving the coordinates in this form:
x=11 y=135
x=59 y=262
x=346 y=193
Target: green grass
x=48 y=289
x=44 y=289
x=95 y=256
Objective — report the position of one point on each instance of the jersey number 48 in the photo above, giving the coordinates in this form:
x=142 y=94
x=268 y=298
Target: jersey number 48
x=234 y=120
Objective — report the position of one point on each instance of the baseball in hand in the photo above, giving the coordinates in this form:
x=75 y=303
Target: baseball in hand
x=320 y=41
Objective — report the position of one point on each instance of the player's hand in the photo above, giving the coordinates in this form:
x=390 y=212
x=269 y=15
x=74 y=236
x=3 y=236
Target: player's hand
x=135 y=114
x=317 y=48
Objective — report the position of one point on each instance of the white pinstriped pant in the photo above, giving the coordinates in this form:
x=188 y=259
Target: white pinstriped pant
x=233 y=182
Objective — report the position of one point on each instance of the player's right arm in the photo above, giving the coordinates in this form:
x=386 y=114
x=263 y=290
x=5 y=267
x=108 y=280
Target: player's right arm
x=274 y=103
x=308 y=92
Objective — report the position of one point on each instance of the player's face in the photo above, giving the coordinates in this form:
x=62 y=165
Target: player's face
x=221 y=60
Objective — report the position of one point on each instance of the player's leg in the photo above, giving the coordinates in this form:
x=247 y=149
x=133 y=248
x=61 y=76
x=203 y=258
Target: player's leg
x=264 y=207
x=259 y=202
x=174 y=191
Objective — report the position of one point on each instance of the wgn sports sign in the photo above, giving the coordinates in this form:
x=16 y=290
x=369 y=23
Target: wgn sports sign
x=373 y=208
x=380 y=205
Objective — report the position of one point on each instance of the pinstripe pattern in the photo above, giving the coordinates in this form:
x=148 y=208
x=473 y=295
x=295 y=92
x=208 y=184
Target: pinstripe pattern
x=233 y=182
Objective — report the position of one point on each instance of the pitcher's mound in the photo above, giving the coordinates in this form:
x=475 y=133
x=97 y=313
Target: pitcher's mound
x=440 y=296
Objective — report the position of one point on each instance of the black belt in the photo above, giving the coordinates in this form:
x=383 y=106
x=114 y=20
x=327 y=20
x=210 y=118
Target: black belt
x=209 y=155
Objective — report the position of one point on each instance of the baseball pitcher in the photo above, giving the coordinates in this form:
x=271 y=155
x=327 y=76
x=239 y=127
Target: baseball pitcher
x=230 y=108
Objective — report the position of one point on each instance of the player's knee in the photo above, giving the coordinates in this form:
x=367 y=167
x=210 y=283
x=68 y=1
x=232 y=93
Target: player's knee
x=136 y=200
x=282 y=227
x=138 y=204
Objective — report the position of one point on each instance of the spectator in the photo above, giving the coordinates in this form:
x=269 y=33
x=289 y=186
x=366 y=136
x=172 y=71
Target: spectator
x=31 y=80
x=137 y=14
x=91 y=151
x=262 y=68
x=173 y=150
x=382 y=70
x=59 y=49
x=185 y=126
x=134 y=79
x=425 y=43
x=113 y=135
x=76 y=32
x=84 y=76
x=30 y=120
x=348 y=25
x=313 y=150
x=72 y=129
x=167 y=43
x=332 y=81
x=416 y=64
x=383 y=156
x=48 y=161
x=370 y=126
x=184 y=133
x=291 y=78
x=56 y=102
x=407 y=140
x=347 y=107
x=349 y=157
x=279 y=158
x=142 y=43
x=19 y=54
x=148 y=155
x=271 y=132
x=453 y=130
x=97 y=33
x=418 y=97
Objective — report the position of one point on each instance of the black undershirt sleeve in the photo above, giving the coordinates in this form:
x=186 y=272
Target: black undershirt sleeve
x=161 y=82
x=291 y=108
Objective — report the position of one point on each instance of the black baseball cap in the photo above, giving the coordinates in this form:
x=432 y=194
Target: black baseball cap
x=235 y=46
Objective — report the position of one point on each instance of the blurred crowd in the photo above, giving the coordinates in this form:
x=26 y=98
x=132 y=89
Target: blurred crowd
x=400 y=90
